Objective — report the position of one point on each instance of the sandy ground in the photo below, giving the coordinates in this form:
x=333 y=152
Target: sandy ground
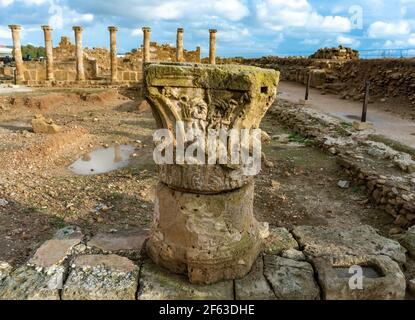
x=386 y=117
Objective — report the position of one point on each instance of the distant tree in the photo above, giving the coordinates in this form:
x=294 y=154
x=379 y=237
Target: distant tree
x=34 y=52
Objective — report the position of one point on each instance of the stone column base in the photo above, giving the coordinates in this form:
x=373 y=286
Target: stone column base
x=208 y=237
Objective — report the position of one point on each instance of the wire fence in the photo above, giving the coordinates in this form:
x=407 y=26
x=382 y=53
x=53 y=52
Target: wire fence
x=399 y=53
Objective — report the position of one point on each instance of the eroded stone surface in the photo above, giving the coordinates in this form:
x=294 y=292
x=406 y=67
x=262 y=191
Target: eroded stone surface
x=290 y=279
x=293 y=255
x=254 y=286
x=54 y=252
x=334 y=242
x=279 y=239
x=101 y=277
x=41 y=125
x=159 y=284
x=29 y=283
x=388 y=284
x=207 y=237
x=5 y=270
x=127 y=243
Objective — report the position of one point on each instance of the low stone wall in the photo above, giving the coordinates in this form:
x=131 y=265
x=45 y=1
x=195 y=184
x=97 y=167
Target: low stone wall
x=388 y=175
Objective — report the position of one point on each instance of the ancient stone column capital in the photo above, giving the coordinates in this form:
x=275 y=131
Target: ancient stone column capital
x=77 y=28
x=146 y=29
x=204 y=224
x=15 y=27
x=112 y=29
x=47 y=28
x=213 y=30
x=180 y=30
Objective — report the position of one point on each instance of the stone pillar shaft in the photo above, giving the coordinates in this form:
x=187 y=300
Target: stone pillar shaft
x=80 y=71
x=212 y=46
x=49 y=52
x=146 y=44
x=17 y=49
x=113 y=52
x=179 y=45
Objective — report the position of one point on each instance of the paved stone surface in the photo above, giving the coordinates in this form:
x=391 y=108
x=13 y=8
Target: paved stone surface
x=254 y=286
x=127 y=243
x=408 y=241
x=101 y=277
x=290 y=279
x=279 y=239
x=159 y=284
x=383 y=281
x=331 y=242
x=53 y=252
x=28 y=283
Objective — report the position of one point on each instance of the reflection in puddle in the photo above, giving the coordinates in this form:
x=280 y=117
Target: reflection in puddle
x=368 y=272
x=103 y=160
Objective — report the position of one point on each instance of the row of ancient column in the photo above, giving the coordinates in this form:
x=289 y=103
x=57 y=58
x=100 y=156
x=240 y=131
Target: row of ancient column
x=80 y=71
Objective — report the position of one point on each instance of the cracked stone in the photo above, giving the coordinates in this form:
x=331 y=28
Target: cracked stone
x=254 y=286
x=331 y=242
x=101 y=277
x=290 y=279
x=159 y=284
x=293 y=255
x=408 y=241
x=280 y=239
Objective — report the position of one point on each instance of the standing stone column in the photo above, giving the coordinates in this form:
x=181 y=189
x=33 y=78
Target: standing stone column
x=198 y=54
x=17 y=49
x=80 y=71
x=204 y=225
x=113 y=52
x=212 y=46
x=47 y=30
x=179 y=45
x=146 y=44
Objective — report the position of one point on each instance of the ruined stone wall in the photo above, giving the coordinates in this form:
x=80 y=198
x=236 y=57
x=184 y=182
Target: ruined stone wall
x=390 y=78
x=339 y=53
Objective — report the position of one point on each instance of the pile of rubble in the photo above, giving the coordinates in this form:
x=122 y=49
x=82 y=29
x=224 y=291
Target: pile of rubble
x=339 y=53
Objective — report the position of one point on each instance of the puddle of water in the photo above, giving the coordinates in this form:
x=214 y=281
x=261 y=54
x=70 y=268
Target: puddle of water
x=368 y=272
x=103 y=160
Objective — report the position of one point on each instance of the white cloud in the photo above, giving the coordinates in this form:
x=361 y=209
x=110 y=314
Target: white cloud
x=281 y=14
x=402 y=44
x=348 y=41
x=5 y=33
x=311 y=41
x=137 y=32
x=380 y=29
x=5 y=3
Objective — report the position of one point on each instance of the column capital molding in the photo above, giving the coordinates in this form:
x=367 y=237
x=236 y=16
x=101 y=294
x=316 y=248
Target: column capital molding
x=15 y=27
x=77 y=28
x=46 y=28
x=112 y=29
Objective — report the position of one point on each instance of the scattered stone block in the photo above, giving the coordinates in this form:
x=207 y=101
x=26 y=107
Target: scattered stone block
x=343 y=184
x=305 y=102
x=331 y=242
x=293 y=255
x=159 y=284
x=69 y=232
x=53 y=252
x=30 y=283
x=127 y=243
x=290 y=279
x=381 y=279
x=5 y=270
x=254 y=286
x=101 y=277
x=361 y=126
x=280 y=239
x=41 y=125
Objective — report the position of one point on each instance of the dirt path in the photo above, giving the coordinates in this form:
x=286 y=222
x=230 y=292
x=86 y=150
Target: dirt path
x=386 y=123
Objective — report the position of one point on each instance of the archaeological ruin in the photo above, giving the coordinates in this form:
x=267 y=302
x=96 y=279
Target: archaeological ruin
x=87 y=213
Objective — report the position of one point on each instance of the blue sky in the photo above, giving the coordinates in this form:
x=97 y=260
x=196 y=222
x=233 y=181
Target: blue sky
x=245 y=27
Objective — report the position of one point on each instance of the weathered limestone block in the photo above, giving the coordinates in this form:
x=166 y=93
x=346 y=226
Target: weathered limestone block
x=128 y=243
x=279 y=239
x=204 y=224
x=41 y=125
x=159 y=284
x=382 y=278
x=254 y=286
x=209 y=237
x=5 y=270
x=331 y=242
x=290 y=279
x=101 y=277
x=30 y=283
